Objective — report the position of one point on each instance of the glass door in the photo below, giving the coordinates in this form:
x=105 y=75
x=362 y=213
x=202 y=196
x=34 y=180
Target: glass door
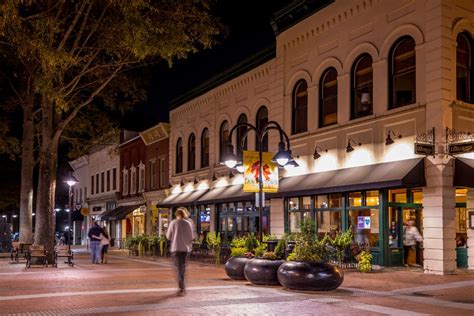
x=413 y=220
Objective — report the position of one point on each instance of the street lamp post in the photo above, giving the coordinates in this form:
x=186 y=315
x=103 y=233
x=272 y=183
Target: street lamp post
x=70 y=183
x=282 y=157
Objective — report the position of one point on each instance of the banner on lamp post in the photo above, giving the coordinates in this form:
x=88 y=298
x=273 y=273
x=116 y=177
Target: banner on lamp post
x=252 y=171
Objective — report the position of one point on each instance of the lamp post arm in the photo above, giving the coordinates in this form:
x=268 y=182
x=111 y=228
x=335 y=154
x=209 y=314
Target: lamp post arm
x=247 y=125
x=274 y=125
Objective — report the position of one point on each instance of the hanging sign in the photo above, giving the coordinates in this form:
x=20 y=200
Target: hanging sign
x=424 y=149
x=252 y=172
x=85 y=211
x=461 y=148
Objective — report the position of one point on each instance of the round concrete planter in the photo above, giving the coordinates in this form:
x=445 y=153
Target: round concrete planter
x=310 y=276
x=262 y=271
x=234 y=267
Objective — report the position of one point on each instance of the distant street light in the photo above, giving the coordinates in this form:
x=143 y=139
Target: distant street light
x=70 y=183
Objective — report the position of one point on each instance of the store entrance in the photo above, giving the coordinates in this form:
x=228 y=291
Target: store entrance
x=399 y=252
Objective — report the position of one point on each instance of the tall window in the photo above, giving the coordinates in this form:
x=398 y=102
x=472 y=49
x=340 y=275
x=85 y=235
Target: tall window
x=179 y=156
x=125 y=182
x=223 y=139
x=262 y=119
x=402 y=73
x=299 y=115
x=152 y=173
x=141 y=177
x=362 y=83
x=108 y=180
x=92 y=185
x=205 y=148
x=162 y=172
x=114 y=179
x=97 y=183
x=191 y=152
x=240 y=134
x=133 y=180
x=328 y=98
x=102 y=182
x=464 y=77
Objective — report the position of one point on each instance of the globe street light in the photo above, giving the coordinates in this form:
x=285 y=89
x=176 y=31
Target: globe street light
x=282 y=157
x=70 y=183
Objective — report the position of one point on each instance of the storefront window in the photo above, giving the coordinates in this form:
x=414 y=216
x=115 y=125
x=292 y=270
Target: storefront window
x=372 y=198
x=417 y=196
x=355 y=199
x=296 y=218
x=329 y=222
x=365 y=226
x=398 y=196
x=294 y=204
x=205 y=218
x=461 y=217
x=335 y=200
x=306 y=202
x=322 y=201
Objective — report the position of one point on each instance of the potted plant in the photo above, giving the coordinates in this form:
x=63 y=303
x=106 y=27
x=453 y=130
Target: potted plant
x=241 y=252
x=132 y=245
x=263 y=270
x=163 y=245
x=305 y=269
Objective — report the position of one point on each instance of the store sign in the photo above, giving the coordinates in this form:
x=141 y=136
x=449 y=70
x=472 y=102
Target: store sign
x=252 y=172
x=424 y=149
x=85 y=211
x=461 y=148
x=363 y=222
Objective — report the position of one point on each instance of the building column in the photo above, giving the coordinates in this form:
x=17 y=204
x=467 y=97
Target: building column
x=148 y=218
x=277 y=225
x=470 y=230
x=439 y=220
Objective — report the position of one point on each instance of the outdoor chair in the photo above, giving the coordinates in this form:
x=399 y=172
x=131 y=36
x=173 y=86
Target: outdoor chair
x=63 y=251
x=37 y=252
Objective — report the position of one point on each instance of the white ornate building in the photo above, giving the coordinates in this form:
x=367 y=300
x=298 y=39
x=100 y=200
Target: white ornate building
x=346 y=75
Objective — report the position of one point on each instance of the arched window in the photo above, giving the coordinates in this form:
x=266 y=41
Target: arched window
x=205 y=148
x=191 y=152
x=362 y=87
x=464 y=77
x=179 y=155
x=223 y=139
x=299 y=115
x=240 y=134
x=262 y=119
x=402 y=73
x=328 y=98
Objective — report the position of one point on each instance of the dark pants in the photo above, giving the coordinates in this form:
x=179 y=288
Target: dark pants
x=407 y=250
x=180 y=262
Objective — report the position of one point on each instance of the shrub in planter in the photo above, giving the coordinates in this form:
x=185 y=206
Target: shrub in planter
x=306 y=270
x=364 y=259
x=241 y=253
x=214 y=243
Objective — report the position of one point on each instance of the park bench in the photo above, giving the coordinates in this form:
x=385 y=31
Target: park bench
x=37 y=252
x=63 y=251
x=18 y=250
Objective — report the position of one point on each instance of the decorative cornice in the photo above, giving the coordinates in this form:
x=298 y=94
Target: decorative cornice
x=155 y=133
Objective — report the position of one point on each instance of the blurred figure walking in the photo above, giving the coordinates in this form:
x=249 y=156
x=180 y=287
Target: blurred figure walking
x=94 y=235
x=180 y=233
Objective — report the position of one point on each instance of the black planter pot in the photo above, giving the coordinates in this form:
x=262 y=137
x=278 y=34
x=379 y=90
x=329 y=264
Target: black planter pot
x=262 y=271
x=234 y=267
x=310 y=276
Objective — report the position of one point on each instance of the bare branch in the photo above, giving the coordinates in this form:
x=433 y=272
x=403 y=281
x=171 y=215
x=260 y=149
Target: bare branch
x=94 y=29
x=71 y=27
x=83 y=25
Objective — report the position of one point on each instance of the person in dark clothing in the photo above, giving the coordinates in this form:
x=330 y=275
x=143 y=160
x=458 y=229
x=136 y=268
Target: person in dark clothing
x=94 y=235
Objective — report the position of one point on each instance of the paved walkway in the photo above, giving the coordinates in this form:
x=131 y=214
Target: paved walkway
x=145 y=286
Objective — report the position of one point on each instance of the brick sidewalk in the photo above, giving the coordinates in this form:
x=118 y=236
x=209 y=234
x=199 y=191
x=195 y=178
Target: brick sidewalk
x=146 y=286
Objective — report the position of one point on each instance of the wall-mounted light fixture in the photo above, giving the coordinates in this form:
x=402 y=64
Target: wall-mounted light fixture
x=214 y=178
x=316 y=154
x=389 y=140
x=195 y=181
x=349 y=147
x=290 y=165
x=231 y=174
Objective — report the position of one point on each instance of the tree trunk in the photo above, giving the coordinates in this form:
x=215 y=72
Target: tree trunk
x=27 y=166
x=45 y=217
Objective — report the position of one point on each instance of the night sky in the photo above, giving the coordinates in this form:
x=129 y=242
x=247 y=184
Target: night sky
x=248 y=31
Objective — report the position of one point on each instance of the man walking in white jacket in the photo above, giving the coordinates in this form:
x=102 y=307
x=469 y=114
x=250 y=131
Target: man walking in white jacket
x=180 y=234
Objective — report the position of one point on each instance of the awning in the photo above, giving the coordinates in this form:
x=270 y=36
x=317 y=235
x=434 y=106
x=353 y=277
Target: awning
x=119 y=213
x=463 y=172
x=232 y=193
x=403 y=173
x=181 y=199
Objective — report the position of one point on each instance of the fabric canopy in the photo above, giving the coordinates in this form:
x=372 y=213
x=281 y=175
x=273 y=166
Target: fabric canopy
x=403 y=173
x=232 y=193
x=464 y=173
x=119 y=213
x=181 y=199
